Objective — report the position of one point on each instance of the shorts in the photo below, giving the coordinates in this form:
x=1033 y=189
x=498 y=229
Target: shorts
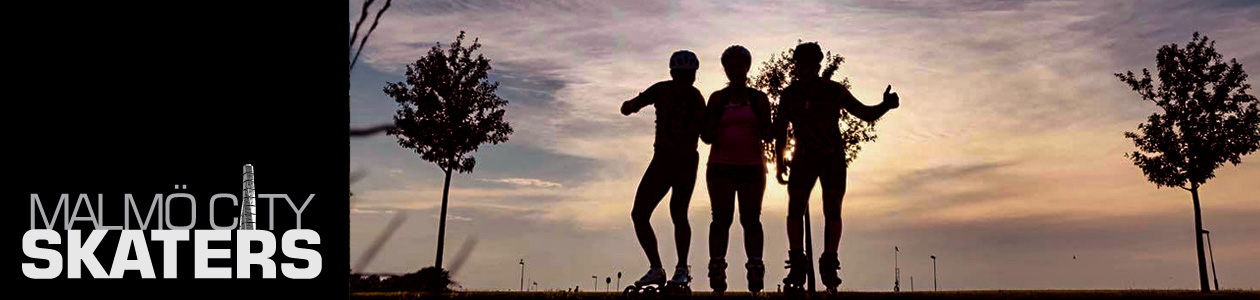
x=809 y=166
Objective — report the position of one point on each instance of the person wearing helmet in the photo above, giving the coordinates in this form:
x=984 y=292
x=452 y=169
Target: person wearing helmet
x=679 y=112
x=736 y=122
x=812 y=106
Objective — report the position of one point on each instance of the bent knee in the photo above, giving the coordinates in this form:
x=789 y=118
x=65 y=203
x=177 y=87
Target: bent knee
x=639 y=216
x=750 y=221
x=722 y=220
x=796 y=211
x=831 y=215
x=680 y=218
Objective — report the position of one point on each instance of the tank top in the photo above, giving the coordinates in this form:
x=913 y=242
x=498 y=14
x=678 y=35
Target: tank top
x=737 y=141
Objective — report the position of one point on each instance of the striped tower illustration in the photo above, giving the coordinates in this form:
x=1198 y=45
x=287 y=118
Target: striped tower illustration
x=248 y=199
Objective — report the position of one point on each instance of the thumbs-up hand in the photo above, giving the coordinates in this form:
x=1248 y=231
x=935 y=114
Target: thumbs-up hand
x=781 y=169
x=890 y=99
x=626 y=108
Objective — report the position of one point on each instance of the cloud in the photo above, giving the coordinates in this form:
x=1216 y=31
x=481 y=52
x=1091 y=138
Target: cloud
x=525 y=182
x=450 y=217
x=355 y=210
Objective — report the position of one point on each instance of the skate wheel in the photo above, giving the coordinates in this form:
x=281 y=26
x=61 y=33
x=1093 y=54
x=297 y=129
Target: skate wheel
x=793 y=291
x=651 y=290
x=630 y=292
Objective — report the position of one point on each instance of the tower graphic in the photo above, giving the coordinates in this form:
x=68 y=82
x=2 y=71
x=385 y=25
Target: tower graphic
x=248 y=199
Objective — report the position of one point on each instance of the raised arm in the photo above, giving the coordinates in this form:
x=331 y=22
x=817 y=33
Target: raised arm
x=868 y=113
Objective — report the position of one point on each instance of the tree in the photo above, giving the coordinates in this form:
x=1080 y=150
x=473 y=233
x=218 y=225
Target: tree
x=1208 y=119
x=431 y=279
x=446 y=109
x=776 y=74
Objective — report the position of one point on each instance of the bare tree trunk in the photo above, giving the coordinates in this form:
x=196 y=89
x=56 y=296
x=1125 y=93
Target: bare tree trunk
x=1198 y=238
x=446 y=189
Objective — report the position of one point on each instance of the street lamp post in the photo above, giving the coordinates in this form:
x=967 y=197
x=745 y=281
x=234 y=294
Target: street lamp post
x=934 y=288
x=809 y=251
x=896 y=270
x=607 y=282
x=595 y=287
x=618 y=279
x=522 y=274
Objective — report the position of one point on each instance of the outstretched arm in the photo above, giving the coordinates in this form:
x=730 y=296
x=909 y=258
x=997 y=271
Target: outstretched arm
x=640 y=101
x=869 y=113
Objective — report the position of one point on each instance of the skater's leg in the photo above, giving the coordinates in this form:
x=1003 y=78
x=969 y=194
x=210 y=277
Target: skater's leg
x=651 y=190
x=833 y=182
x=800 y=183
x=751 y=192
x=722 y=200
x=679 y=202
x=798 y=201
x=833 y=198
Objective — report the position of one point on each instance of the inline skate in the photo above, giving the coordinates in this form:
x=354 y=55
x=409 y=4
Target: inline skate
x=798 y=268
x=828 y=269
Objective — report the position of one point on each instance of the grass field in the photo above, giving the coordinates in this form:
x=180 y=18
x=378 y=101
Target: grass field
x=998 y=294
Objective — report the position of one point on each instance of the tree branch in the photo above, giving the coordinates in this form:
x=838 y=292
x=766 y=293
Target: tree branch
x=361 y=132
x=369 y=33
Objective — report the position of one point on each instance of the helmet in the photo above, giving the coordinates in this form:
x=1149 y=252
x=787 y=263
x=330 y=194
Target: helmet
x=738 y=53
x=685 y=60
x=808 y=52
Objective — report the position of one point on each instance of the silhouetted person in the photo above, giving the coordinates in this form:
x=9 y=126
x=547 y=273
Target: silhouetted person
x=679 y=112
x=812 y=106
x=737 y=120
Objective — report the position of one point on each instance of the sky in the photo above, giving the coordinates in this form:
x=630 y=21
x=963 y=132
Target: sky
x=1005 y=159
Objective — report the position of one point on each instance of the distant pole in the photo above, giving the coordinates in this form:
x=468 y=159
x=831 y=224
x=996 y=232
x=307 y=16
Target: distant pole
x=607 y=282
x=618 y=279
x=809 y=250
x=896 y=270
x=522 y=274
x=911 y=283
x=934 y=288
x=596 y=286
x=1209 y=240
x=535 y=286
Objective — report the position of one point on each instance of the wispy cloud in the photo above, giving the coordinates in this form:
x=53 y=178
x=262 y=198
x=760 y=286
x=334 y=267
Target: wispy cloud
x=525 y=182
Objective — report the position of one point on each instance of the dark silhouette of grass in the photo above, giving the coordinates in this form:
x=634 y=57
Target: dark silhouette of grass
x=991 y=294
